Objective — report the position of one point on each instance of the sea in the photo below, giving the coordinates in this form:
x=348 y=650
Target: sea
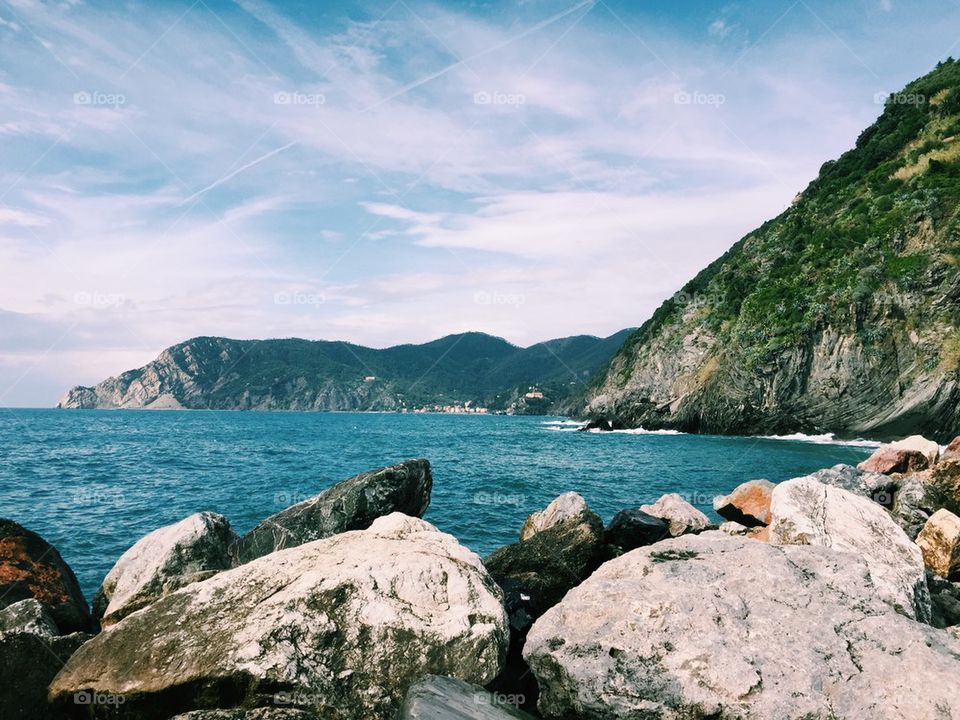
x=93 y=482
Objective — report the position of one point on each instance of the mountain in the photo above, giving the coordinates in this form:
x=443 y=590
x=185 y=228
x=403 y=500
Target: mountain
x=293 y=374
x=840 y=315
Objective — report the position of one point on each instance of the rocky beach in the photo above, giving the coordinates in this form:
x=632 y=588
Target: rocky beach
x=833 y=595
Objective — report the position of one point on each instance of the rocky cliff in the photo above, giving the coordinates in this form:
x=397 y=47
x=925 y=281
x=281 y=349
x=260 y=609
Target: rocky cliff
x=292 y=374
x=841 y=315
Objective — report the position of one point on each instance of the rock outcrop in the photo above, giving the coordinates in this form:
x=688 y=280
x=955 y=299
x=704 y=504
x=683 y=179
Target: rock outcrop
x=352 y=504
x=32 y=568
x=341 y=626
x=443 y=698
x=928 y=448
x=564 y=507
x=28 y=616
x=681 y=517
x=633 y=528
x=712 y=626
x=28 y=662
x=939 y=541
x=254 y=714
x=165 y=560
x=748 y=504
x=806 y=512
x=952 y=451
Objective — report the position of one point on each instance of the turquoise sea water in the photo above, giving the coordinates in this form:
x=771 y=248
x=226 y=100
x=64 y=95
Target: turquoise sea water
x=93 y=482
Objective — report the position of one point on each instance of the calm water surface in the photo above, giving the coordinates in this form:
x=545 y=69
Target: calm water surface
x=93 y=482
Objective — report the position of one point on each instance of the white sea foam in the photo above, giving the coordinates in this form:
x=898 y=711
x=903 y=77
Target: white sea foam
x=825 y=439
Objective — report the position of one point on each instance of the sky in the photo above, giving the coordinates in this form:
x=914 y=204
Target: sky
x=391 y=172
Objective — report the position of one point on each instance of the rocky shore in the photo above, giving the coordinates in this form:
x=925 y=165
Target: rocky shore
x=835 y=595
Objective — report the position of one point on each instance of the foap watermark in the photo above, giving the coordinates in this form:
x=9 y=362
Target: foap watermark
x=98 y=300
x=95 y=98
x=100 y=495
x=699 y=98
x=499 y=498
x=299 y=99
x=291 y=497
x=497 y=298
x=299 y=298
x=97 y=698
x=882 y=98
x=498 y=699
x=499 y=98
x=298 y=698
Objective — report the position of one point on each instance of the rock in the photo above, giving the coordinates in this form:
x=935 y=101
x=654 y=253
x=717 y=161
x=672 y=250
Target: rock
x=760 y=534
x=952 y=451
x=342 y=626
x=193 y=549
x=943 y=486
x=734 y=528
x=534 y=575
x=566 y=506
x=600 y=425
x=878 y=487
x=28 y=662
x=634 y=528
x=748 y=504
x=888 y=460
x=712 y=626
x=28 y=616
x=807 y=512
x=944 y=600
x=928 y=448
x=443 y=698
x=352 y=504
x=939 y=541
x=254 y=714
x=32 y=568
x=680 y=516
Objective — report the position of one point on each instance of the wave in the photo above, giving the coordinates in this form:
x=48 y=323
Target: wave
x=825 y=439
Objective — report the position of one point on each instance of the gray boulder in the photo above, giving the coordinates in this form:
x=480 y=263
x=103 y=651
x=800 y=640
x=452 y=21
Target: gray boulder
x=720 y=627
x=352 y=504
x=29 y=616
x=165 y=560
x=564 y=507
x=945 y=601
x=633 y=528
x=681 y=517
x=341 y=626
x=878 y=487
x=807 y=512
x=254 y=714
x=443 y=698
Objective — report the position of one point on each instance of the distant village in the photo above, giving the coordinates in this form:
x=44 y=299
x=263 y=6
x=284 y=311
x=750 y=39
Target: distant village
x=469 y=407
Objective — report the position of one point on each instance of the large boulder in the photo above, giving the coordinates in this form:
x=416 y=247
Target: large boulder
x=566 y=506
x=352 y=504
x=928 y=448
x=939 y=541
x=712 y=626
x=748 y=504
x=28 y=662
x=534 y=575
x=878 y=487
x=30 y=567
x=165 y=560
x=634 y=528
x=681 y=517
x=341 y=626
x=443 y=698
x=888 y=460
x=920 y=495
x=807 y=512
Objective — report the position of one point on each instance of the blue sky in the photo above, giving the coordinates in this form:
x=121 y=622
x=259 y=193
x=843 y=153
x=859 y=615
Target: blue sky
x=396 y=171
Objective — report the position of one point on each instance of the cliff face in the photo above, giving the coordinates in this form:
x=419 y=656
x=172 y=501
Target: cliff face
x=841 y=315
x=225 y=374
